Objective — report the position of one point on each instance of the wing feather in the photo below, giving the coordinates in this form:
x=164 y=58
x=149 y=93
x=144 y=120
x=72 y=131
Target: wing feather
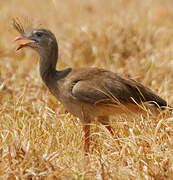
x=109 y=88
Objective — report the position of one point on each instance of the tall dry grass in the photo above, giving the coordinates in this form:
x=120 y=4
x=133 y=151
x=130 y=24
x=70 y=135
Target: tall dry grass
x=38 y=138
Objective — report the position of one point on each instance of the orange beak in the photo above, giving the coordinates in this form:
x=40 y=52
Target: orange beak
x=21 y=45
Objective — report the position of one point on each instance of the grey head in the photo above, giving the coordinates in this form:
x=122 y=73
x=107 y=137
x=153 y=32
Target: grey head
x=44 y=42
x=41 y=40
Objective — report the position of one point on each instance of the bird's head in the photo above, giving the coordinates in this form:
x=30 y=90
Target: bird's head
x=40 y=40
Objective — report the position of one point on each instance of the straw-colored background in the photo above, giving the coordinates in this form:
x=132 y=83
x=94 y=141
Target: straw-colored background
x=38 y=138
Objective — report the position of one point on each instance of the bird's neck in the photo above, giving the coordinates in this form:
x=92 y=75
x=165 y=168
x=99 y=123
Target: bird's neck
x=47 y=66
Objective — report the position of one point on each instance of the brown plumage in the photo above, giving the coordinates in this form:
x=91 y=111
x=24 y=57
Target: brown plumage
x=87 y=93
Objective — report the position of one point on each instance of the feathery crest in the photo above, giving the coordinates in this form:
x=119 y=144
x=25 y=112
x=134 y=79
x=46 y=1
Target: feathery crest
x=18 y=25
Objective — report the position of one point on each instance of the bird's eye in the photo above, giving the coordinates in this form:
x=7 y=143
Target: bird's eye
x=39 y=34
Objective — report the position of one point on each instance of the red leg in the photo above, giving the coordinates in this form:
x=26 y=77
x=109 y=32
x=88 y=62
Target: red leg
x=87 y=133
x=110 y=130
x=105 y=121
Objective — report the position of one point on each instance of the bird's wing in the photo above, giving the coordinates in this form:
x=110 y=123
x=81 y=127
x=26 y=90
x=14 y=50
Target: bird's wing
x=85 y=91
x=108 y=87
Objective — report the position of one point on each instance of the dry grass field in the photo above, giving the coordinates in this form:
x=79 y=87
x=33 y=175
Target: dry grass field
x=39 y=139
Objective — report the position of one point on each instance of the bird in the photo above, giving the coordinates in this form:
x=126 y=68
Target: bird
x=88 y=93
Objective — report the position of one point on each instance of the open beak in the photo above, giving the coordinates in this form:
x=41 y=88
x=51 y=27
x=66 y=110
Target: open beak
x=21 y=45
